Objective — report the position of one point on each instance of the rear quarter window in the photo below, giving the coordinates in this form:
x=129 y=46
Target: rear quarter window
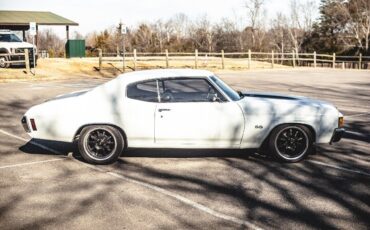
x=143 y=91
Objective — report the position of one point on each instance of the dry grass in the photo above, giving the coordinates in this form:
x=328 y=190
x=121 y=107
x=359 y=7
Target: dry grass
x=59 y=68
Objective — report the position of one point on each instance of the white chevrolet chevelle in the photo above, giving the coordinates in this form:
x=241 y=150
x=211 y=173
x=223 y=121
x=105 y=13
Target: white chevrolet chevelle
x=182 y=109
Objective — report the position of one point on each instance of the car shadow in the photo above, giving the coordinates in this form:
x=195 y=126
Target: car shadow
x=47 y=147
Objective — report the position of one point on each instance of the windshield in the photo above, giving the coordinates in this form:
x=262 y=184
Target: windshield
x=227 y=89
x=9 y=38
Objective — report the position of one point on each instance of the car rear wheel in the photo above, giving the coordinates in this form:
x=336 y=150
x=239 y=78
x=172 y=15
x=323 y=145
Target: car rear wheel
x=3 y=60
x=291 y=143
x=100 y=144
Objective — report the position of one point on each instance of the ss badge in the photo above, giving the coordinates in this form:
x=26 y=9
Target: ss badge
x=258 y=127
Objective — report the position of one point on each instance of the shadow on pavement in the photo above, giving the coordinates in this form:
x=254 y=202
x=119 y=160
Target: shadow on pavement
x=38 y=146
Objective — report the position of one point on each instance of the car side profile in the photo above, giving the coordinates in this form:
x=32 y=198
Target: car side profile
x=182 y=108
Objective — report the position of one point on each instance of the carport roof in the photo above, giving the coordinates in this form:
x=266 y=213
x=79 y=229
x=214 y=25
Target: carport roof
x=23 y=18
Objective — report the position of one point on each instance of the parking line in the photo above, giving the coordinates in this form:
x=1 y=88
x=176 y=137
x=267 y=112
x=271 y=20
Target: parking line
x=146 y=185
x=30 y=163
x=32 y=142
x=177 y=197
x=340 y=168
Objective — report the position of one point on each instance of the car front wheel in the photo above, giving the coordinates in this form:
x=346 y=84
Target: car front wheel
x=3 y=62
x=100 y=144
x=291 y=143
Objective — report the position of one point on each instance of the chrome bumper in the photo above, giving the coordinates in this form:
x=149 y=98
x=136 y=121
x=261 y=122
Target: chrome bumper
x=337 y=135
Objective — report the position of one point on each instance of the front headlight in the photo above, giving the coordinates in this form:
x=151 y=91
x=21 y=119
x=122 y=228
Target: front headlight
x=341 y=122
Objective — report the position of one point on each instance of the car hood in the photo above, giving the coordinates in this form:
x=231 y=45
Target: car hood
x=271 y=95
x=275 y=103
x=16 y=44
x=284 y=97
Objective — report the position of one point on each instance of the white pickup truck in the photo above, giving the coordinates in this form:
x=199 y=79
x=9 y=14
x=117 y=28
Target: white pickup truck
x=10 y=46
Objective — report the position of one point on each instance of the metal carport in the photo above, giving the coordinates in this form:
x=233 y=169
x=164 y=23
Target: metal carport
x=20 y=20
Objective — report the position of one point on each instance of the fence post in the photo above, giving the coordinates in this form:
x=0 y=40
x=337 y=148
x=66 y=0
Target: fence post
x=334 y=60
x=100 y=58
x=167 y=64
x=196 y=58
x=249 y=59
x=272 y=59
x=360 y=61
x=223 y=59
x=314 y=59
x=343 y=66
x=134 y=59
x=27 y=60
x=293 y=58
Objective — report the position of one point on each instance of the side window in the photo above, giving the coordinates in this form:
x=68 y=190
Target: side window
x=143 y=91
x=188 y=90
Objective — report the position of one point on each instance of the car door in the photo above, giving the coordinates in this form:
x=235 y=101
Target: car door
x=138 y=113
x=192 y=113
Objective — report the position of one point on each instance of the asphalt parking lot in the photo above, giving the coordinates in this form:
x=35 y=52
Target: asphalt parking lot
x=46 y=186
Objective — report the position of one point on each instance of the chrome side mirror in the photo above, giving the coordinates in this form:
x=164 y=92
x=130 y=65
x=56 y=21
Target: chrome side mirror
x=214 y=98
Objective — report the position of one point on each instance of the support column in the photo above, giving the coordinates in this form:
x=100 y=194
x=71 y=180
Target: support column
x=37 y=34
x=67 y=32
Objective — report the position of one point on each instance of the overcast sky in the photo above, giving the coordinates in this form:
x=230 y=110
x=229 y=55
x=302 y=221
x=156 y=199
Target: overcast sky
x=100 y=14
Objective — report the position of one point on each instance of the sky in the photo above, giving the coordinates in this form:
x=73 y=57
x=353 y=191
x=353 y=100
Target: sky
x=96 y=15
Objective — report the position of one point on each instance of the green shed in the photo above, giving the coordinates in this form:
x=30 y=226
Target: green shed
x=75 y=48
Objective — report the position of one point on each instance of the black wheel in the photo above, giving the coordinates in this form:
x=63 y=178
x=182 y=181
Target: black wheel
x=100 y=144
x=291 y=143
x=3 y=60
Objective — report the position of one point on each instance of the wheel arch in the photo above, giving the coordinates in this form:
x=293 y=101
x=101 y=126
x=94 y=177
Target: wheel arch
x=77 y=133
x=4 y=51
x=311 y=128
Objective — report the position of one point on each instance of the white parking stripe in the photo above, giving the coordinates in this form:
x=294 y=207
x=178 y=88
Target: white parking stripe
x=188 y=202
x=32 y=142
x=149 y=186
x=179 y=198
x=30 y=163
x=340 y=168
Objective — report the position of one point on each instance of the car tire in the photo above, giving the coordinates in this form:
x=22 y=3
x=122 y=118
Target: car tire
x=100 y=144
x=290 y=143
x=4 y=59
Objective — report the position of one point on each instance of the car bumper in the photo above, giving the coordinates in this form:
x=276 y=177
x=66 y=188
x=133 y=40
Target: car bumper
x=337 y=135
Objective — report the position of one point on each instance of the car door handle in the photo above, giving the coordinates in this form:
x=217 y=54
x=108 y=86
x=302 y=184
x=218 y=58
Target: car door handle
x=162 y=110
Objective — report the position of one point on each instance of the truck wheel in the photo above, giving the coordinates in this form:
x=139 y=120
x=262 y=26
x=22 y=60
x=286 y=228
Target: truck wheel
x=100 y=144
x=291 y=143
x=3 y=60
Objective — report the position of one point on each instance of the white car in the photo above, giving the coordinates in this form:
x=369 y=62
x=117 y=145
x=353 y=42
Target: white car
x=182 y=108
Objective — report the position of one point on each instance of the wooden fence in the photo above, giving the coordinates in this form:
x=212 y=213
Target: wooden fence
x=245 y=59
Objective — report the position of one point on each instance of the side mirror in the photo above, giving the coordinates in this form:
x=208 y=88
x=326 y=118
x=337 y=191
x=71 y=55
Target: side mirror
x=166 y=97
x=214 y=98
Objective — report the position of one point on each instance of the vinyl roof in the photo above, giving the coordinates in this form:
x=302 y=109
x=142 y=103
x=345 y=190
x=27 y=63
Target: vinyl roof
x=23 y=18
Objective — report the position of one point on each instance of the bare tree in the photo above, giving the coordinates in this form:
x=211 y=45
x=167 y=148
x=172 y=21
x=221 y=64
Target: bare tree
x=202 y=34
x=255 y=13
x=279 y=34
x=301 y=21
x=359 y=23
x=256 y=30
x=48 y=40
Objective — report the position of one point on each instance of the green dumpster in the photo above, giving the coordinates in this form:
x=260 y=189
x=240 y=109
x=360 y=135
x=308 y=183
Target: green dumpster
x=75 y=48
